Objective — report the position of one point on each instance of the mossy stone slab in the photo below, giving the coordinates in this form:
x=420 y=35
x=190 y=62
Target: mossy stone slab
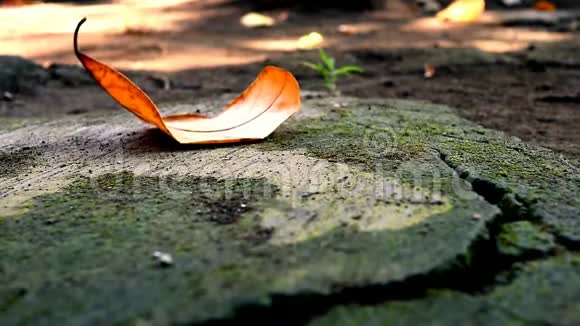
x=348 y=193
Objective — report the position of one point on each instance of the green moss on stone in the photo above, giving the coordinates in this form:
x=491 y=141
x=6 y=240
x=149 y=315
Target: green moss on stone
x=438 y=308
x=544 y=184
x=83 y=255
x=80 y=253
x=543 y=293
x=523 y=239
x=366 y=134
x=15 y=161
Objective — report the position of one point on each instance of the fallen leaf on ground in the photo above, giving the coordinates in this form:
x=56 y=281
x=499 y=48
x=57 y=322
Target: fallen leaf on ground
x=310 y=41
x=271 y=99
x=544 y=6
x=255 y=19
x=463 y=11
x=429 y=71
x=348 y=29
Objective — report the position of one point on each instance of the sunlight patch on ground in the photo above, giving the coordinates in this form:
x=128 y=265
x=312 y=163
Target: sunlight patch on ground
x=111 y=18
x=185 y=59
x=496 y=40
x=189 y=59
x=359 y=28
x=275 y=44
x=185 y=34
x=128 y=34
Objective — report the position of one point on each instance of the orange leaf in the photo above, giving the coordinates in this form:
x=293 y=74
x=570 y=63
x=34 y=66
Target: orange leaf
x=463 y=11
x=271 y=99
x=544 y=6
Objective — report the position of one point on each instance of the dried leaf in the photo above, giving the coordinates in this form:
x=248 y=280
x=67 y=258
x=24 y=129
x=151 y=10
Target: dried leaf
x=271 y=99
x=310 y=41
x=544 y=6
x=429 y=71
x=463 y=11
x=255 y=19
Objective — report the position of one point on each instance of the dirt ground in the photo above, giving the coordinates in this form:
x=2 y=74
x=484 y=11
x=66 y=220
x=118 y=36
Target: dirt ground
x=516 y=71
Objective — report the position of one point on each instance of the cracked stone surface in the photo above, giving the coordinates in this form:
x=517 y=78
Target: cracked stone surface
x=348 y=194
x=544 y=293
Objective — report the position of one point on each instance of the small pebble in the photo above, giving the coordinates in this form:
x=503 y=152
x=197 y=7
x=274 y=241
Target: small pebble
x=476 y=216
x=164 y=259
x=7 y=96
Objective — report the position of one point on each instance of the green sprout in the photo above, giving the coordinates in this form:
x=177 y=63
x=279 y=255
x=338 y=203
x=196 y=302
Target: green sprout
x=329 y=72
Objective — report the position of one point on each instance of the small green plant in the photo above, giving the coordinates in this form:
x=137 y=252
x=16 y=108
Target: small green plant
x=329 y=72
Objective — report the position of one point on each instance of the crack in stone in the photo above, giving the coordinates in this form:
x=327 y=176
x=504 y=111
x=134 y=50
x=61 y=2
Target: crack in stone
x=512 y=206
